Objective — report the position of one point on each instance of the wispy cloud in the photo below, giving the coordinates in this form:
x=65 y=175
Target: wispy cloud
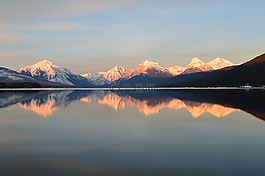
x=55 y=26
x=176 y=3
x=17 y=9
x=8 y=55
x=9 y=37
x=4 y=58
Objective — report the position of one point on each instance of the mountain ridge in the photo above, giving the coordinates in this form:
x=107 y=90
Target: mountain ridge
x=249 y=73
x=152 y=69
x=216 y=73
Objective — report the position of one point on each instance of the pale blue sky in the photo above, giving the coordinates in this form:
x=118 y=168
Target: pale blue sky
x=95 y=35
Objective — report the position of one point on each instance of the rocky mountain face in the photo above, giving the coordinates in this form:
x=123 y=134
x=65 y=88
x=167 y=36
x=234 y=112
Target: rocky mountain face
x=13 y=79
x=47 y=70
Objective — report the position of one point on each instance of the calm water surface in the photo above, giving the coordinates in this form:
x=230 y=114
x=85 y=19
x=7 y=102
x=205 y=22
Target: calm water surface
x=132 y=133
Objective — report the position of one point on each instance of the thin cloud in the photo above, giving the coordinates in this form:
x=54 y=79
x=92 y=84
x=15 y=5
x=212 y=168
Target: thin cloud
x=177 y=3
x=3 y=58
x=17 y=9
x=11 y=55
x=58 y=26
x=9 y=37
x=32 y=9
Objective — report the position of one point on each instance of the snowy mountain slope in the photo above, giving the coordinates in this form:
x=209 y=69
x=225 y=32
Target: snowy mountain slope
x=113 y=74
x=249 y=73
x=104 y=78
x=176 y=70
x=10 y=78
x=10 y=75
x=196 y=65
x=118 y=73
x=195 y=62
x=97 y=80
x=148 y=68
x=220 y=63
x=152 y=70
x=47 y=70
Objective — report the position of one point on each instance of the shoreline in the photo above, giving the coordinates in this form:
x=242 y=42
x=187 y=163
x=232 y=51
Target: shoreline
x=131 y=89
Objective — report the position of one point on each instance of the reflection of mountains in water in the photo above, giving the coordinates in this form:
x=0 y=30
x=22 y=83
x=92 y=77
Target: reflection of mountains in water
x=151 y=106
x=219 y=103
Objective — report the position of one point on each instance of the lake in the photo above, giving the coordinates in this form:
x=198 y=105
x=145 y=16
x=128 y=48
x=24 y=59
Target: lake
x=156 y=132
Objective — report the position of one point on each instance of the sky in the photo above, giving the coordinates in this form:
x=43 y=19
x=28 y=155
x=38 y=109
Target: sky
x=95 y=35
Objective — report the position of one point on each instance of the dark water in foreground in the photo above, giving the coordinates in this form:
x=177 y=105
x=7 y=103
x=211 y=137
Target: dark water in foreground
x=132 y=133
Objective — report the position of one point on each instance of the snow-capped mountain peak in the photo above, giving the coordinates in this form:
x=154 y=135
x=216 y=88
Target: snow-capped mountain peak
x=118 y=69
x=220 y=63
x=10 y=78
x=195 y=62
x=47 y=70
x=196 y=65
x=148 y=63
x=113 y=74
x=47 y=62
x=195 y=59
x=148 y=68
x=42 y=67
x=103 y=78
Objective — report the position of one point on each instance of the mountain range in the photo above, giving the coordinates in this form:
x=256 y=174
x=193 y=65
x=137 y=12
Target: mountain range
x=250 y=73
x=218 y=72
